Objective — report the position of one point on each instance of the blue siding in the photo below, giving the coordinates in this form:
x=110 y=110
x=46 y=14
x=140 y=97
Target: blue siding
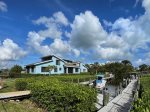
x=60 y=67
x=83 y=68
x=37 y=69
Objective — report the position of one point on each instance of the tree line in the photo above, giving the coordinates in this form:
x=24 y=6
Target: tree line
x=120 y=70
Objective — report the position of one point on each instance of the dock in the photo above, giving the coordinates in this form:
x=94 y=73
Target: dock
x=122 y=102
x=99 y=103
x=14 y=95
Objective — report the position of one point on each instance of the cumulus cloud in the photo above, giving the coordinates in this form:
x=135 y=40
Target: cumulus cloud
x=10 y=51
x=60 y=47
x=52 y=25
x=34 y=41
x=3 y=6
x=87 y=31
x=88 y=37
x=76 y=52
x=129 y=35
x=53 y=31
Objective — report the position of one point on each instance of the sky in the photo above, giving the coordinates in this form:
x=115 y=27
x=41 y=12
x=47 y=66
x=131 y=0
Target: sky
x=81 y=30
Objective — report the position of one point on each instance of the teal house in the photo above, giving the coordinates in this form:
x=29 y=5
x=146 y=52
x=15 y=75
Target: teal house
x=62 y=66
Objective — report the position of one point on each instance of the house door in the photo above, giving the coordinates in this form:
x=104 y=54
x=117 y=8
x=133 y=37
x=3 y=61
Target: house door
x=70 y=70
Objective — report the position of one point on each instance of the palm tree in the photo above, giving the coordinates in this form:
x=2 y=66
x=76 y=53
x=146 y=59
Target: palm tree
x=50 y=68
x=96 y=67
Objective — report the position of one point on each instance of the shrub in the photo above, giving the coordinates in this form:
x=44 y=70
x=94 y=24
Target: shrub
x=55 y=95
x=21 y=85
x=143 y=103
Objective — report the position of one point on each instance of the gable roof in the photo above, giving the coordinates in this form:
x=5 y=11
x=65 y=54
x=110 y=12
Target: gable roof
x=53 y=56
x=66 y=61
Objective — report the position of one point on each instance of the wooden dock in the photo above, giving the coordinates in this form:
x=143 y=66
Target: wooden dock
x=14 y=95
x=123 y=101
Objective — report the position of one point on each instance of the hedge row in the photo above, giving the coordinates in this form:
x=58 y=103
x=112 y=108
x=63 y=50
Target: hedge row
x=26 y=75
x=143 y=103
x=75 y=78
x=57 y=96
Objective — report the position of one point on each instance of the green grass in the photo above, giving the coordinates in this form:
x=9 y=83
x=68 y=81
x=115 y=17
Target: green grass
x=9 y=85
x=143 y=104
x=23 y=106
x=13 y=106
x=27 y=105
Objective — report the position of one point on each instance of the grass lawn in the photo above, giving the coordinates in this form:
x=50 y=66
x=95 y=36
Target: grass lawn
x=22 y=106
x=13 y=106
x=9 y=85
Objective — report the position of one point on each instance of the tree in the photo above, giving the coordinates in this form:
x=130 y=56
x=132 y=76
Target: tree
x=119 y=69
x=143 y=67
x=50 y=68
x=16 y=69
x=96 y=67
x=126 y=62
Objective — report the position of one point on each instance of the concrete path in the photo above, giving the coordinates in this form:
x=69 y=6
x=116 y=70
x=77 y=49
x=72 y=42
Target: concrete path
x=13 y=95
x=122 y=102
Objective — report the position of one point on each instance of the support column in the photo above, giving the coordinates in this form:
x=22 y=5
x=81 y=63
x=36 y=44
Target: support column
x=74 y=70
x=66 y=70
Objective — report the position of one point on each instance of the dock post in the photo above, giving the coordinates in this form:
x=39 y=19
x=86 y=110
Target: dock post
x=105 y=97
x=120 y=87
x=126 y=82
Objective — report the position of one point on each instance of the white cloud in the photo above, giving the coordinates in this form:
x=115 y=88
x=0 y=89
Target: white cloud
x=60 y=47
x=34 y=41
x=53 y=31
x=56 y=18
x=60 y=18
x=10 y=50
x=146 y=5
x=88 y=37
x=129 y=35
x=76 y=52
x=3 y=6
x=53 y=25
x=111 y=54
x=139 y=62
x=87 y=31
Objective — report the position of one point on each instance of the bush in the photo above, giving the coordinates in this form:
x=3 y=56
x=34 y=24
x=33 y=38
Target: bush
x=21 y=85
x=143 y=103
x=55 y=95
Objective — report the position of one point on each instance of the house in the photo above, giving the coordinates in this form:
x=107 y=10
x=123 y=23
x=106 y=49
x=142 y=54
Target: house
x=62 y=66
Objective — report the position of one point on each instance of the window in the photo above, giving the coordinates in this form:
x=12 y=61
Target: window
x=32 y=69
x=57 y=62
x=55 y=69
x=59 y=69
x=76 y=69
x=44 y=69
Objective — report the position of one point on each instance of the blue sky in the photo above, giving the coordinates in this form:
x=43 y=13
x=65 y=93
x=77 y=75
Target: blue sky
x=88 y=31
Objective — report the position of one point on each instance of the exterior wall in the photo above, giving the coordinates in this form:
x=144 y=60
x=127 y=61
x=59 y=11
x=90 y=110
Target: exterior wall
x=74 y=71
x=37 y=69
x=83 y=68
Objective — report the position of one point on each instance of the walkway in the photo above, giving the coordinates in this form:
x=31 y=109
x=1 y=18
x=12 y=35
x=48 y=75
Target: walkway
x=14 y=95
x=99 y=104
x=122 y=102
